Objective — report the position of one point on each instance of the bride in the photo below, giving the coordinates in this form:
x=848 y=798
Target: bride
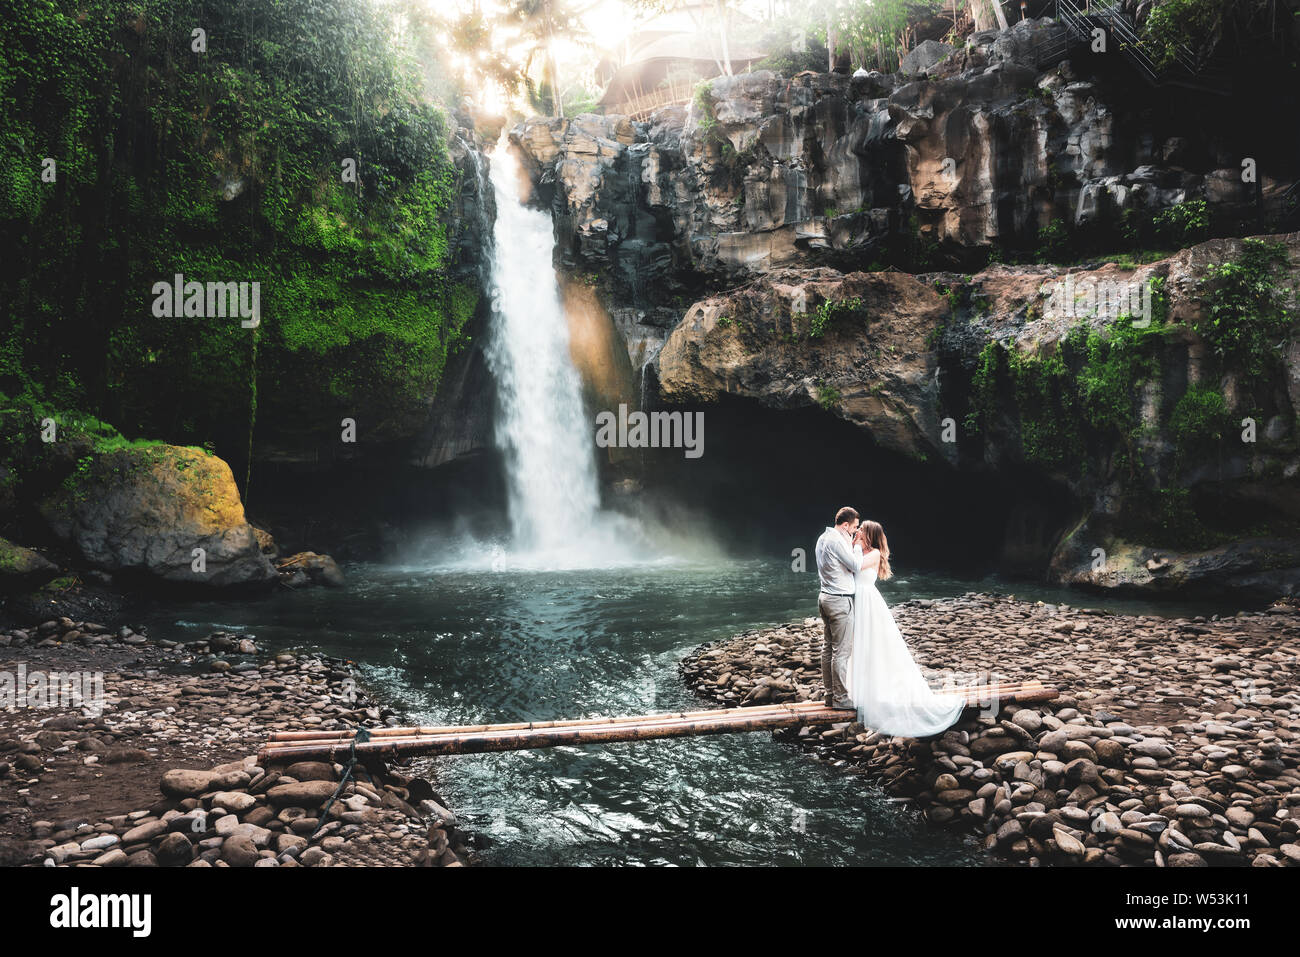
x=884 y=682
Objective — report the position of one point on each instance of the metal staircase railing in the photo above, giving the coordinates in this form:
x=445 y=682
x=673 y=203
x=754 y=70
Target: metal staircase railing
x=1059 y=48
x=1289 y=204
x=1129 y=42
x=1206 y=72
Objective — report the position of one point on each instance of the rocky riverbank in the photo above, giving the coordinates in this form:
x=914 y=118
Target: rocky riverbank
x=162 y=770
x=1175 y=742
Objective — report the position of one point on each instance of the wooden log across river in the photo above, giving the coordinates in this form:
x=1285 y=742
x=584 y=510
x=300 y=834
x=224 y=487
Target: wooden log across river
x=286 y=747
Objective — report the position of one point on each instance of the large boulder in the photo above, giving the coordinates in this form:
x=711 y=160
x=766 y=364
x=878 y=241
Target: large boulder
x=876 y=349
x=797 y=339
x=923 y=56
x=308 y=794
x=1257 y=567
x=184 y=782
x=21 y=568
x=147 y=510
x=309 y=568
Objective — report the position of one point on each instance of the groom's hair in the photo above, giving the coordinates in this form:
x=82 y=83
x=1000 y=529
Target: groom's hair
x=845 y=514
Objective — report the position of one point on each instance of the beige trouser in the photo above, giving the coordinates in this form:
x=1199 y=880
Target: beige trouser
x=837 y=621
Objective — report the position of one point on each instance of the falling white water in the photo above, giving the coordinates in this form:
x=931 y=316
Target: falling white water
x=542 y=427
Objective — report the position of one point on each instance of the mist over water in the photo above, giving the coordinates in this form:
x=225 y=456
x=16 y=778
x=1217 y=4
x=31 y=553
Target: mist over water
x=546 y=435
x=542 y=428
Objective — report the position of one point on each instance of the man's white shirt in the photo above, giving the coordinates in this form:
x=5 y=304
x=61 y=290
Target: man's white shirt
x=837 y=562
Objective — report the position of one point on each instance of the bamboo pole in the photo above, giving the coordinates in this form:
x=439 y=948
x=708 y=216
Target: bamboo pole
x=479 y=742
x=641 y=721
x=280 y=736
x=592 y=731
x=280 y=739
x=1029 y=685
x=490 y=737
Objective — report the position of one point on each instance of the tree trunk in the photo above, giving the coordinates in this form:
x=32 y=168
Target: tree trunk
x=998 y=12
x=830 y=44
x=982 y=12
x=720 y=6
x=557 y=108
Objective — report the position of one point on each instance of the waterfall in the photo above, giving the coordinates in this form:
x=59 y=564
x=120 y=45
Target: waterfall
x=544 y=432
x=542 y=428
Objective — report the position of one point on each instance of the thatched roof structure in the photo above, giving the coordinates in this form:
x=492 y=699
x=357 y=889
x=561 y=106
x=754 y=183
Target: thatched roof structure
x=672 y=42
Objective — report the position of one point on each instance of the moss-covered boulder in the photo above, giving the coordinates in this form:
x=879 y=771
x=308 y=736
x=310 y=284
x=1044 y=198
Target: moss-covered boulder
x=68 y=596
x=1093 y=557
x=21 y=568
x=161 y=512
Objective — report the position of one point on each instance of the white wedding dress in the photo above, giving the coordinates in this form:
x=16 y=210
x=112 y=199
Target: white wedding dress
x=884 y=681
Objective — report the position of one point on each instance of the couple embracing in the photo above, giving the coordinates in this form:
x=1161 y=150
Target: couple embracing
x=866 y=664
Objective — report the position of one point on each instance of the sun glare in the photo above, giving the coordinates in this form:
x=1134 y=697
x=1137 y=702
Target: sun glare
x=610 y=21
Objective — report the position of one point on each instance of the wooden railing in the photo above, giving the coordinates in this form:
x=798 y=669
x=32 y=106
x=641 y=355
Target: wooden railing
x=640 y=107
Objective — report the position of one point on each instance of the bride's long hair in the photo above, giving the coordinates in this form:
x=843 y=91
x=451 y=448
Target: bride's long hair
x=874 y=535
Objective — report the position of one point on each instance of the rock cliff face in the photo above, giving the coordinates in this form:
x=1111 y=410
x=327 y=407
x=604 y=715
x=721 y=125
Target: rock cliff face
x=986 y=148
x=442 y=426
x=446 y=426
x=913 y=362
x=784 y=241
x=425 y=423
x=475 y=209
x=458 y=423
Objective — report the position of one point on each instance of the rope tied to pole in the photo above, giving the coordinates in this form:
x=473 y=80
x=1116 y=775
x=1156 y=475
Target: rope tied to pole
x=361 y=737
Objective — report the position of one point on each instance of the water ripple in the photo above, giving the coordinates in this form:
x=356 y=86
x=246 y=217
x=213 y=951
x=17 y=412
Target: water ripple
x=469 y=647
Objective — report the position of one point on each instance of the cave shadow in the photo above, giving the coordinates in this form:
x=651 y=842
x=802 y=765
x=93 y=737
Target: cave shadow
x=770 y=480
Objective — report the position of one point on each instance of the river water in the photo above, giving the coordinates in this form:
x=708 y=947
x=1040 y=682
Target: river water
x=448 y=645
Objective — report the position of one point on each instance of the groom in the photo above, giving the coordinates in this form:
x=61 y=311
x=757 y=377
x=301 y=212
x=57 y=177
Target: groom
x=838 y=559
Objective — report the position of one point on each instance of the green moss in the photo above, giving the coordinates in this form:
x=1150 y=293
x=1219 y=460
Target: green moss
x=1133 y=259
x=1115 y=366
x=1087 y=395
x=1044 y=401
x=355 y=277
x=1086 y=388
x=80 y=455
x=1049 y=423
x=1248 y=313
x=984 y=387
x=828 y=311
x=10 y=560
x=1199 y=422
x=703 y=100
